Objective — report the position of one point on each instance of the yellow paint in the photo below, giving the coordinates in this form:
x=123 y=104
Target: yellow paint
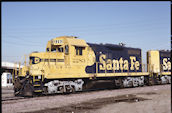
x=62 y=64
x=24 y=70
x=153 y=61
x=166 y=73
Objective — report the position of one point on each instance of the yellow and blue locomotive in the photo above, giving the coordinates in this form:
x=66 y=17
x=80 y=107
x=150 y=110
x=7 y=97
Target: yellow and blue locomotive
x=69 y=64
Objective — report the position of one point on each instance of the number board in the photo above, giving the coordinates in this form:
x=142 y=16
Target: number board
x=57 y=42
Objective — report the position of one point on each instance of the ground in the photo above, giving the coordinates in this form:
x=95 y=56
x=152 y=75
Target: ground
x=149 y=99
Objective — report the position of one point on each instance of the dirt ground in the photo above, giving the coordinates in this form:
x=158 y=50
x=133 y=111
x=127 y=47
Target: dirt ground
x=152 y=99
x=7 y=92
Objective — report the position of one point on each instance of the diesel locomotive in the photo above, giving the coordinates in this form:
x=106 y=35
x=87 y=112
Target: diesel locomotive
x=70 y=64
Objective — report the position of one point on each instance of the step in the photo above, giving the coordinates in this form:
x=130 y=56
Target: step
x=37 y=90
x=37 y=80
x=36 y=85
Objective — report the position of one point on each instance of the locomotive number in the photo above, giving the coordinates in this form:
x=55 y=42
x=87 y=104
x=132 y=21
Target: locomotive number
x=57 y=41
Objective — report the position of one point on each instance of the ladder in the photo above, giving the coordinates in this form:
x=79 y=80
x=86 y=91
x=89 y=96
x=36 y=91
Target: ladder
x=37 y=84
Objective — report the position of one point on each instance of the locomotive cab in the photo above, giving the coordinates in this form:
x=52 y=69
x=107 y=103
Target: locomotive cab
x=65 y=57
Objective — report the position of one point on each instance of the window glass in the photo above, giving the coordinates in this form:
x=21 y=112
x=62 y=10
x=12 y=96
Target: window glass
x=47 y=49
x=53 y=50
x=66 y=49
x=57 y=49
x=79 y=50
x=76 y=50
x=60 y=49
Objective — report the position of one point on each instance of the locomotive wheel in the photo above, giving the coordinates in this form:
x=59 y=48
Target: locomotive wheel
x=119 y=83
x=61 y=89
x=146 y=81
x=73 y=89
x=153 y=80
x=45 y=90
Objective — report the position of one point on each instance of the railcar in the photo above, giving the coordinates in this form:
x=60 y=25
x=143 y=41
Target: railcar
x=159 y=66
x=70 y=64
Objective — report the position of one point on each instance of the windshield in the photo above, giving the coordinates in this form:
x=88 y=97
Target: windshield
x=57 y=49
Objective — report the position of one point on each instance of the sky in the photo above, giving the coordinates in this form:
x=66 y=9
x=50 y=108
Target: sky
x=28 y=26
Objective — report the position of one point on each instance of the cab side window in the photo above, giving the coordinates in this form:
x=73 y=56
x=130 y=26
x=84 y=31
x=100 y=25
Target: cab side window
x=66 y=49
x=47 y=49
x=79 y=50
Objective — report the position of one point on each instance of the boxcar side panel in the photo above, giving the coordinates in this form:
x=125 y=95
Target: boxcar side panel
x=165 y=61
x=115 y=59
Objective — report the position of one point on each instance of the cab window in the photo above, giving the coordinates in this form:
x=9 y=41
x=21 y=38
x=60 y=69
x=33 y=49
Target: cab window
x=79 y=50
x=60 y=49
x=57 y=49
x=47 y=49
x=53 y=50
x=66 y=49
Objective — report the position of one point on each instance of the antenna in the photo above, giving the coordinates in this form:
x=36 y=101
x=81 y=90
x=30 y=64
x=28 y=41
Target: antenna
x=122 y=44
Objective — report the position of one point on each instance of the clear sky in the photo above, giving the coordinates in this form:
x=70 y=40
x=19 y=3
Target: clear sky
x=27 y=26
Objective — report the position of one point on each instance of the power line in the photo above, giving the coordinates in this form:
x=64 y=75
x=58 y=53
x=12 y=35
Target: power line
x=100 y=25
x=89 y=27
x=11 y=56
x=101 y=29
x=18 y=44
x=21 y=39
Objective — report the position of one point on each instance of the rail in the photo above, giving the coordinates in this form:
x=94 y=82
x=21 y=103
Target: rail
x=12 y=98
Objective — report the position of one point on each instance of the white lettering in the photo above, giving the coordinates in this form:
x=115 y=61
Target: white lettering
x=166 y=64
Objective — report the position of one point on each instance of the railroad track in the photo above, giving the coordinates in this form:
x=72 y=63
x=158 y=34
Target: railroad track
x=90 y=90
x=11 y=98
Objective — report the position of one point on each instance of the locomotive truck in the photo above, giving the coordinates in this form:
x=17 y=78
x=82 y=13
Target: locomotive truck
x=70 y=64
